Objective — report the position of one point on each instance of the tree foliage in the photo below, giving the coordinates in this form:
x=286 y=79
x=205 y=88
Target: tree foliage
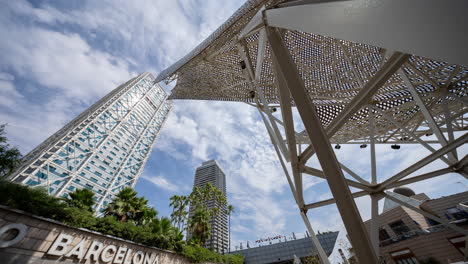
x=135 y=226
x=230 y=209
x=199 y=223
x=179 y=215
x=10 y=158
x=199 y=254
x=81 y=198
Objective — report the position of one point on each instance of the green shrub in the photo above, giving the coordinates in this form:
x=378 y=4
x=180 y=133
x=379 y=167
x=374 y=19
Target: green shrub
x=78 y=217
x=199 y=254
x=37 y=202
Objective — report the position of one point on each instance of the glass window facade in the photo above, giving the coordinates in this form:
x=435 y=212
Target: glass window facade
x=105 y=148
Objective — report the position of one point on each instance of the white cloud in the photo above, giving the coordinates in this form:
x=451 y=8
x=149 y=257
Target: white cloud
x=9 y=96
x=4 y=76
x=161 y=31
x=153 y=35
x=161 y=182
x=67 y=75
x=63 y=61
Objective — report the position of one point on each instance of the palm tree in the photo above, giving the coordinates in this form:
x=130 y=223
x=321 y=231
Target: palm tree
x=162 y=226
x=199 y=225
x=230 y=209
x=10 y=158
x=179 y=213
x=81 y=198
x=125 y=205
x=145 y=215
x=201 y=197
x=183 y=212
x=174 y=202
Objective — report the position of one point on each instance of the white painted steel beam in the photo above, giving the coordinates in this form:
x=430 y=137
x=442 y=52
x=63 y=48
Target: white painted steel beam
x=261 y=50
x=286 y=111
x=255 y=23
x=448 y=120
x=332 y=200
x=320 y=174
x=401 y=25
x=372 y=147
x=423 y=162
x=425 y=111
x=421 y=177
x=335 y=178
x=321 y=253
x=411 y=134
x=374 y=223
x=353 y=174
x=244 y=52
x=285 y=170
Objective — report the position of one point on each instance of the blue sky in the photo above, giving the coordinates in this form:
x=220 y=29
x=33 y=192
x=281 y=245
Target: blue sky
x=57 y=58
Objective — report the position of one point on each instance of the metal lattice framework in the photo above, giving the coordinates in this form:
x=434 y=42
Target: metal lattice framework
x=105 y=148
x=358 y=72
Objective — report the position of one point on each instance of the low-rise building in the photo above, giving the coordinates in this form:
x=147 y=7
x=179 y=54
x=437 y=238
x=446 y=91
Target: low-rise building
x=287 y=251
x=408 y=237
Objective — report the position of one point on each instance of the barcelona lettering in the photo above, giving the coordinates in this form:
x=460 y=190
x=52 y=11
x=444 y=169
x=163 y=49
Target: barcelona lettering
x=97 y=251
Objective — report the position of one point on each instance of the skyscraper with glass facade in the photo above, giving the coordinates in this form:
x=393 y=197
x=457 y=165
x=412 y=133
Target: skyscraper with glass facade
x=105 y=148
x=211 y=172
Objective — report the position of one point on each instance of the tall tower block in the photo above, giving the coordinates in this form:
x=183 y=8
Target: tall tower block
x=211 y=172
x=104 y=148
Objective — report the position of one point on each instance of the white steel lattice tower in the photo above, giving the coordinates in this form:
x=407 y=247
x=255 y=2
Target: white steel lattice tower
x=105 y=148
x=210 y=172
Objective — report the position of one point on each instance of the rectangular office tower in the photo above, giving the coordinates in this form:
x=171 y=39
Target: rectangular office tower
x=210 y=172
x=105 y=148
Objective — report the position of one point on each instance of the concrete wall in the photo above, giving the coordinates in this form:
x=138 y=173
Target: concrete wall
x=41 y=233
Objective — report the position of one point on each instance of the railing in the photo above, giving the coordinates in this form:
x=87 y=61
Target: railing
x=411 y=234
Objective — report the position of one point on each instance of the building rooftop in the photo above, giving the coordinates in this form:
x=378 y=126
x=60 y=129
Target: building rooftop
x=283 y=251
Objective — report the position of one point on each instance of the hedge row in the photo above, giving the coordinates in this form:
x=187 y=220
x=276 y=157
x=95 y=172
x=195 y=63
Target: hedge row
x=37 y=202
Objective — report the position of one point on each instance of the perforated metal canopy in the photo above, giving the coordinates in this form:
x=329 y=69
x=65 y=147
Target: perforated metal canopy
x=333 y=72
x=358 y=72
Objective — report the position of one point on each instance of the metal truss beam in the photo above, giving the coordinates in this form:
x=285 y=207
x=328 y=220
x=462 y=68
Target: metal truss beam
x=286 y=111
x=403 y=128
x=353 y=174
x=320 y=174
x=322 y=255
x=335 y=178
x=332 y=200
x=425 y=111
x=423 y=162
x=251 y=76
x=374 y=223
